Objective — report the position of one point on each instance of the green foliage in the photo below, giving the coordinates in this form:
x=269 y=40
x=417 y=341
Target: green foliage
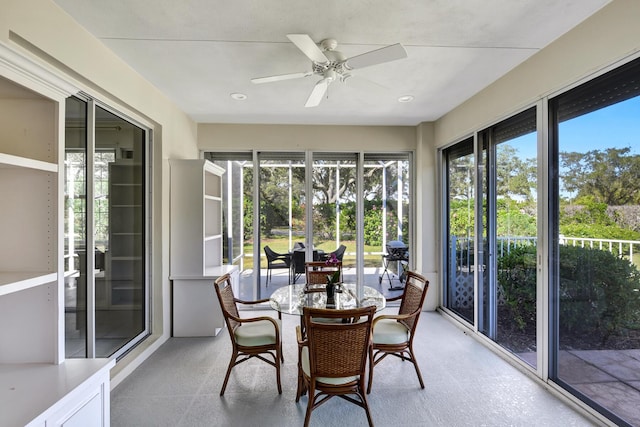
x=516 y=176
x=590 y=219
x=348 y=221
x=324 y=220
x=247 y=219
x=372 y=224
x=599 y=292
x=609 y=176
x=516 y=218
x=461 y=217
x=517 y=282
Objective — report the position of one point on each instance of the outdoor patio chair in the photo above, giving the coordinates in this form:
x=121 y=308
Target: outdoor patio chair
x=297 y=264
x=250 y=337
x=339 y=253
x=276 y=261
x=393 y=333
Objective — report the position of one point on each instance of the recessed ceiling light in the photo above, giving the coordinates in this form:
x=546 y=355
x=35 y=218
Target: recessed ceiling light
x=405 y=98
x=239 y=96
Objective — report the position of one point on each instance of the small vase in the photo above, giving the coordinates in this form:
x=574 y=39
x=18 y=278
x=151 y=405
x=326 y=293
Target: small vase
x=330 y=293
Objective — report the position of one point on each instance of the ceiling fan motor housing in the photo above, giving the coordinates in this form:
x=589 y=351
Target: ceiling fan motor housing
x=335 y=64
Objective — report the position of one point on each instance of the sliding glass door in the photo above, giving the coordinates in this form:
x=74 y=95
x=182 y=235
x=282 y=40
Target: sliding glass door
x=459 y=294
x=491 y=263
x=595 y=269
x=508 y=285
x=106 y=286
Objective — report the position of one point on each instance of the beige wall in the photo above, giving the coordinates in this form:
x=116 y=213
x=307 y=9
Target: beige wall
x=427 y=214
x=299 y=137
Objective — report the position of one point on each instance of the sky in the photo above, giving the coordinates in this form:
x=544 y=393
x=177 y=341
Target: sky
x=616 y=126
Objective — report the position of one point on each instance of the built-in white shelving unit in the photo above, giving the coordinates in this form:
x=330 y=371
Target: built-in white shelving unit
x=125 y=235
x=196 y=246
x=37 y=386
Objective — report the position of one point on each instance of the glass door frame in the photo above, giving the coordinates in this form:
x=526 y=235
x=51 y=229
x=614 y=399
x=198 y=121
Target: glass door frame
x=91 y=104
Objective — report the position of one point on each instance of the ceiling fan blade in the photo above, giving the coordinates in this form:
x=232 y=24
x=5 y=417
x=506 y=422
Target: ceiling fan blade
x=378 y=56
x=270 y=79
x=317 y=93
x=308 y=47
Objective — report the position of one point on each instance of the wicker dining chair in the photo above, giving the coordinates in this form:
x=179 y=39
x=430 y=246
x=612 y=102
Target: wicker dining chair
x=332 y=357
x=250 y=337
x=393 y=333
x=316 y=272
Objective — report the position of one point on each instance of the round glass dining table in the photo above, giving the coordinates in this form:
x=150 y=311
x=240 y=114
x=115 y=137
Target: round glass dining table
x=293 y=298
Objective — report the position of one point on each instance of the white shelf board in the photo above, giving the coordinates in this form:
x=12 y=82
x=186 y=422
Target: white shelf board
x=15 y=281
x=8 y=160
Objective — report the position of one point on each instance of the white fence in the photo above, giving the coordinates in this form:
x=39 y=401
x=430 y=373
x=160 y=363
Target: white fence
x=622 y=248
x=462 y=247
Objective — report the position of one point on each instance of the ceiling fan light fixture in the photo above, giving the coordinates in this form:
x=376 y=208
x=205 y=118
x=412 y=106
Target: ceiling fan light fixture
x=405 y=98
x=238 y=96
x=332 y=65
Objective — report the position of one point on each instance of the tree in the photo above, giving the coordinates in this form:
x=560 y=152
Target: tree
x=609 y=176
x=516 y=177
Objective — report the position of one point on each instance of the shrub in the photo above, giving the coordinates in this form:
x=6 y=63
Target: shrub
x=599 y=292
x=517 y=285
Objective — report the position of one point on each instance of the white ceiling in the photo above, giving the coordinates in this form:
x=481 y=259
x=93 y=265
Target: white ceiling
x=198 y=52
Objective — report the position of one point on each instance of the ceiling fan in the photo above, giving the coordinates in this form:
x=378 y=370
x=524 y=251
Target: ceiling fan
x=331 y=64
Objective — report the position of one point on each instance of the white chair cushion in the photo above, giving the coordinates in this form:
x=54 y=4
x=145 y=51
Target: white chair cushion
x=390 y=331
x=256 y=333
x=307 y=370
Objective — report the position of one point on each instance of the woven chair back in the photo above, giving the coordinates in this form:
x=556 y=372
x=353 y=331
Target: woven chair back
x=226 y=298
x=338 y=349
x=415 y=291
x=317 y=271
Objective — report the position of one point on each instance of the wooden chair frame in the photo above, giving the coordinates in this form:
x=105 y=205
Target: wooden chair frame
x=415 y=291
x=241 y=353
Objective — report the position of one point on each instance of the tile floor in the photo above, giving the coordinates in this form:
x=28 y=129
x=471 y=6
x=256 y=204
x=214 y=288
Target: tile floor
x=610 y=377
x=466 y=385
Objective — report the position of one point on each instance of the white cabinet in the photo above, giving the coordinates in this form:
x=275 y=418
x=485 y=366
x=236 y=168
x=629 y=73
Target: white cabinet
x=196 y=217
x=35 y=380
x=75 y=392
x=196 y=247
